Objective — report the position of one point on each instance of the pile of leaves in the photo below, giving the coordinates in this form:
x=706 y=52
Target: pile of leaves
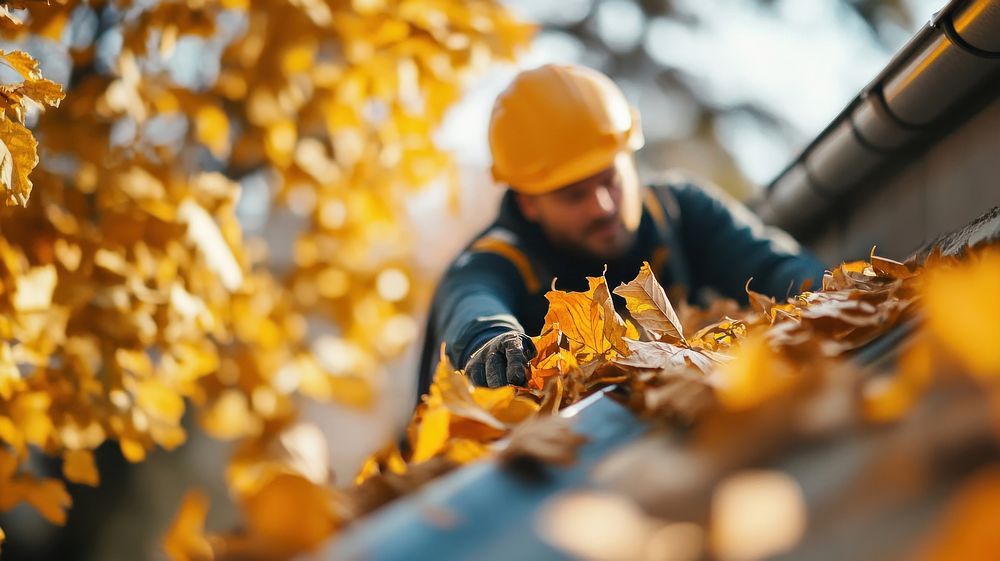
x=671 y=365
x=767 y=375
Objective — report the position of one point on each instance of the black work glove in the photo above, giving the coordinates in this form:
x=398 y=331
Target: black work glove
x=501 y=361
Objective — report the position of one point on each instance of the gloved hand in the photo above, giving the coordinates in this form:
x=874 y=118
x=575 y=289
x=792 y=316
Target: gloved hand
x=501 y=361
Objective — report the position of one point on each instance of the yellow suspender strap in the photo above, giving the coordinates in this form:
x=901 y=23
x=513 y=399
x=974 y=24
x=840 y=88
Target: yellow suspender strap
x=512 y=254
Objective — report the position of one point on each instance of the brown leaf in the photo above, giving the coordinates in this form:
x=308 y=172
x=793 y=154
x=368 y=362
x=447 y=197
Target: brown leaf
x=889 y=268
x=677 y=394
x=381 y=489
x=649 y=306
x=548 y=440
x=657 y=355
x=760 y=303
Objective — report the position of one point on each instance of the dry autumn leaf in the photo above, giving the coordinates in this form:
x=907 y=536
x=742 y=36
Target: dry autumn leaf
x=679 y=394
x=756 y=374
x=961 y=304
x=79 y=467
x=456 y=417
x=649 y=306
x=967 y=529
x=18 y=156
x=548 y=440
x=185 y=539
x=657 y=355
x=588 y=320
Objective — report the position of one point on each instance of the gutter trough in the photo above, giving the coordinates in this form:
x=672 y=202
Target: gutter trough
x=952 y=60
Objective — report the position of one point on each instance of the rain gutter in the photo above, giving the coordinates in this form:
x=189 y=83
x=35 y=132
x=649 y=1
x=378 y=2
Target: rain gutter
x=953 y=59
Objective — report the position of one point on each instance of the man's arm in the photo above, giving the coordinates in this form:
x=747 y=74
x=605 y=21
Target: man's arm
x=474 y=309
x=727 y=245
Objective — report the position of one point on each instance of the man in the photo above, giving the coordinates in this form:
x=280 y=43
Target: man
x=562 y=139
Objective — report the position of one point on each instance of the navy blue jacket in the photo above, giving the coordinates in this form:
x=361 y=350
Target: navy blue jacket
x=695 y=237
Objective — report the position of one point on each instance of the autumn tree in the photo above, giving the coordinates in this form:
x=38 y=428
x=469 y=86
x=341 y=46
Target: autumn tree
x=128 y=288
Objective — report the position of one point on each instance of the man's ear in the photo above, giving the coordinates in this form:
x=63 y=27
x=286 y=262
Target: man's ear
x=527 y=205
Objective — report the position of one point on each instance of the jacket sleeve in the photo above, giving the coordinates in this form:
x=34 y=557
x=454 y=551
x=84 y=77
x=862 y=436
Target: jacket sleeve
x=726 y=244
x=476 y=301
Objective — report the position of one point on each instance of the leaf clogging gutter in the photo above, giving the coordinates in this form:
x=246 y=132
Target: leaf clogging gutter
x=953 y=59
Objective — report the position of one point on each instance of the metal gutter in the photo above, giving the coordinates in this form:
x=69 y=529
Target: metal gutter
x=484 y=511
x=950 y=60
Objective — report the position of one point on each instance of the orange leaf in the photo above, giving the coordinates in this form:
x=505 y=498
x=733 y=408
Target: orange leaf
x=756 y=374
x=185 y=540
x=588 y=320
x=78 y=467
x=962 y=304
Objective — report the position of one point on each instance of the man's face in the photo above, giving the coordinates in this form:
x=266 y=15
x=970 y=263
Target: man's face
x=596 y=216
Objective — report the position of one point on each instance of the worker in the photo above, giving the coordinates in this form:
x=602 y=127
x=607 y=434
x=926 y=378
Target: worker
x=563 y=140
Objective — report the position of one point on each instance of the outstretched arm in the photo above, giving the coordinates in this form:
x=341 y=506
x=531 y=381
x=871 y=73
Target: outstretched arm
x=474 y=309
x=727 y=245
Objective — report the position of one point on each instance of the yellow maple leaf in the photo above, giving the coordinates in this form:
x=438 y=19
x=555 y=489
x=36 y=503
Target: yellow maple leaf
x=34 y=87
x=18 y=156
x=386 y=460
x=42 y=92
x=456 y=410
x=505 y=403
x=79 y=467
x=588 y=320
x=291 y=512
x=185 y=539
x=47 y=496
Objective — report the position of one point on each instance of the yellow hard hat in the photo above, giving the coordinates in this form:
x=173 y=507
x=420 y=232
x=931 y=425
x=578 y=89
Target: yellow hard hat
x=558 y=124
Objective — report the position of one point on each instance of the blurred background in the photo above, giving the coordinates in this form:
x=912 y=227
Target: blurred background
x=730 y=90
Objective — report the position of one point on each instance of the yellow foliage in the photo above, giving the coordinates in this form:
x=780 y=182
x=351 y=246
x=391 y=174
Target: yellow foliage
x=890 y=398
x=185 y=540
x=961 y=304
x=292 y=513
x=589 y=321
x=18 y=148
x=79 y=467
x=130 y=291
x=455 y=415
x=756 y=373
x=47 y=496
x=966 y=531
